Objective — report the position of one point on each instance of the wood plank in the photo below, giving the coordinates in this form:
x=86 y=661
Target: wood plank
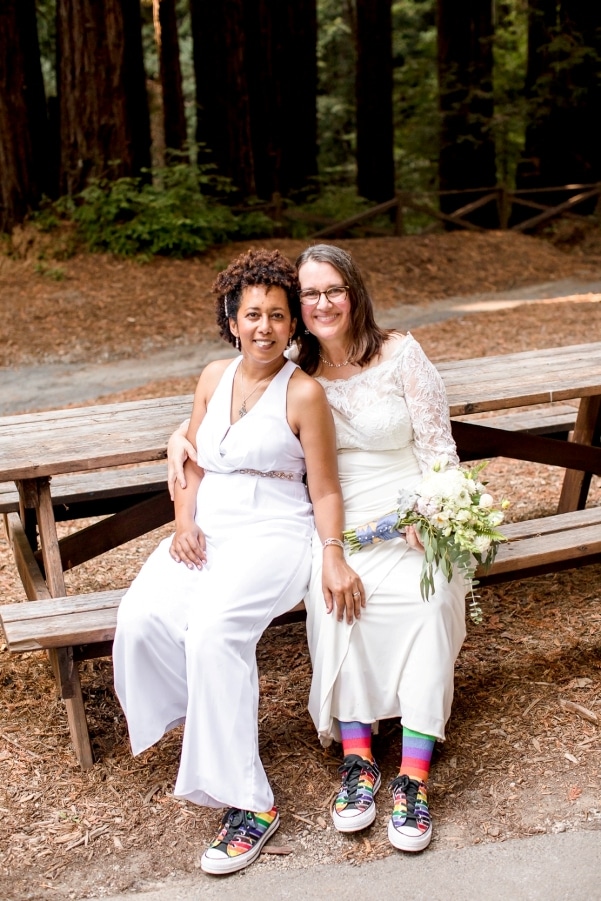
x=92 y=439
x=76 y=620
x=521 y=379
x=549 y=420
x=477 y=442
x=59 y=631
x=46 y=609
x=547 y=525
x=103 y=536
x=546 y=549
x=94 y=486
x=551 y=212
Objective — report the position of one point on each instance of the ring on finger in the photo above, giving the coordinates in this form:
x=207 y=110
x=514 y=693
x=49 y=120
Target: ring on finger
x=356 y=594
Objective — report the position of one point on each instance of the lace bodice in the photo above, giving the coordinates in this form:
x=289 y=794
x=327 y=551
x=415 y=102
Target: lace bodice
x=396 y=404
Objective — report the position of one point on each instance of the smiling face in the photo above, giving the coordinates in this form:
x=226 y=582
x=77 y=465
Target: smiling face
x=326 y=320
x=263 y=322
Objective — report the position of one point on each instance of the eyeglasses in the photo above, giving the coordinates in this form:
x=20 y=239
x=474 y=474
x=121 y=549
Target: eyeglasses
x=336 y=294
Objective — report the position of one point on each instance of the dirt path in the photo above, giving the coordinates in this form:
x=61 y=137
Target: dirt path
x=53 y=385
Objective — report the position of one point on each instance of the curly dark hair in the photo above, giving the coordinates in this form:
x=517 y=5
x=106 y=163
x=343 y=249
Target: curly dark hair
x=365 y=335
x=255 y=267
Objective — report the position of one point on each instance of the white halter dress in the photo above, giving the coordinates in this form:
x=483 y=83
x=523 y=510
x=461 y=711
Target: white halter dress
x=185 y=642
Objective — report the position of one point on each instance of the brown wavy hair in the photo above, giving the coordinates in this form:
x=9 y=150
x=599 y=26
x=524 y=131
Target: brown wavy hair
x=255 y=267
x=365 y=336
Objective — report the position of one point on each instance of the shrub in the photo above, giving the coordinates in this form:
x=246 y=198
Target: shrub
x=165 y=212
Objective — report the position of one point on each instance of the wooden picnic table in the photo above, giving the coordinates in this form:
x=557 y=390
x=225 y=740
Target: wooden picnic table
x=34 y=448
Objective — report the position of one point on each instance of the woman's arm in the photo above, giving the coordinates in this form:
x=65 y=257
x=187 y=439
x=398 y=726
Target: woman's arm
x=189 y=545
x=310 y=416
x=428 y=406
x=179 y=449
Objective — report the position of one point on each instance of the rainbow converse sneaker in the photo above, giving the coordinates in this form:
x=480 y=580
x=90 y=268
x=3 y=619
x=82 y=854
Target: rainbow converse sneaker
x=354 y=807
x=240 y=839
x=410 y=826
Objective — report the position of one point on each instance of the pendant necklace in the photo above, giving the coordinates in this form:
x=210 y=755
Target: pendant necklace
x=334 y=365
x=243 y=411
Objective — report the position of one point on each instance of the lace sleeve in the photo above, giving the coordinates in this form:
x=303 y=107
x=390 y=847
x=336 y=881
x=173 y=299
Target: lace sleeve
x=428 y=406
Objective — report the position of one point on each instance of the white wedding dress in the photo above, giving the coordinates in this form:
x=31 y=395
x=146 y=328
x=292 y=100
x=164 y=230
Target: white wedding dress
x=397 y=660
x=185 y=642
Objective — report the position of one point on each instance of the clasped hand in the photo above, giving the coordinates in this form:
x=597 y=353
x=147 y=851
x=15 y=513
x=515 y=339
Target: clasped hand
x=189 y=546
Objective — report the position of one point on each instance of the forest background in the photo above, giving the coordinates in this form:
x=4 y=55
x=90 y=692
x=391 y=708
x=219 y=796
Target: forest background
x=165 y=127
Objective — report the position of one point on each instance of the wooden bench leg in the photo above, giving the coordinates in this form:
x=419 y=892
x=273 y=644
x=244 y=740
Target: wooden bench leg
x=71 y=694
x=64 y=667
x=576 y=483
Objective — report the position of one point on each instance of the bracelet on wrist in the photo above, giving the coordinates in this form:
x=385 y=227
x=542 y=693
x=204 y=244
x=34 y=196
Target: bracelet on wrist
x=335 y=541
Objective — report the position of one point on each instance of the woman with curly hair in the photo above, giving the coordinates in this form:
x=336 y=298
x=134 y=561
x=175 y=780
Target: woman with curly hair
x=188 y=627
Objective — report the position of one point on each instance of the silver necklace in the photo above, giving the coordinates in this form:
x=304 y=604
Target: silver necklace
x=334 y=365
x=243 y=411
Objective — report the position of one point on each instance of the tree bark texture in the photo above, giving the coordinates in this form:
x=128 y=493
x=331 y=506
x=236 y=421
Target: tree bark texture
x=222 y=95
x=563 y=138
x=174 y=116
x=104 y=119
x=373 y=89
x=23 y=124
x=256 y=84
x=282 y=65
x=465 y=67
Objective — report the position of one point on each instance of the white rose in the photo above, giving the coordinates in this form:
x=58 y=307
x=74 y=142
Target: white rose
x=482 y=543
x=486 y=501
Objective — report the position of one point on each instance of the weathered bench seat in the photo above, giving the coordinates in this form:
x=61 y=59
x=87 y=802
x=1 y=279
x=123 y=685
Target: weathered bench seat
x=541 y=545
x=83 y=626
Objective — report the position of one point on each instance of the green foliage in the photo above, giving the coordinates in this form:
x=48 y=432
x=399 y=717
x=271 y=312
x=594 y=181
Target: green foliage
x=336 y=56
x=416 y=117
x=511 y=109
x=171 y=215
x=52 y=272
x=332 y=204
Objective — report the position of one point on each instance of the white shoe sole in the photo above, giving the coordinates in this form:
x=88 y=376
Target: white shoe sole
x=361 y=820
x=408 y=842
x=221 y=866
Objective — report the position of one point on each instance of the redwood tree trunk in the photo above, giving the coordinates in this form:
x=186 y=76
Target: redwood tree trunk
x=174 y=116
x=282 y=66
x=563 y=143
x=222 y=97
x=104 y=120
x=465 y=65
x=373 y=88
x=23 y=124
x=256 y=85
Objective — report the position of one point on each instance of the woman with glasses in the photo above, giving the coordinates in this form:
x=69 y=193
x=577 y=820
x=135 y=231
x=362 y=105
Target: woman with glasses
x=188 y=627
x=388 y=653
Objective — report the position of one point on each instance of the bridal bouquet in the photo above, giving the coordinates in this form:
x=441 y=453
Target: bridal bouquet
x=455 y=520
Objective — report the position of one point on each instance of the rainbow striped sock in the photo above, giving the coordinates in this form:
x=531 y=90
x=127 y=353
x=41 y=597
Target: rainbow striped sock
x=417 y=754
x=356 y=739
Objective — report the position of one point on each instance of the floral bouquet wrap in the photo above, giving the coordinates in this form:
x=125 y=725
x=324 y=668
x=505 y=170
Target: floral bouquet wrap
x=455 y=521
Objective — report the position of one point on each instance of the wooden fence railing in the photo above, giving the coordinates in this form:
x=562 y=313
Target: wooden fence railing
x=506 y=201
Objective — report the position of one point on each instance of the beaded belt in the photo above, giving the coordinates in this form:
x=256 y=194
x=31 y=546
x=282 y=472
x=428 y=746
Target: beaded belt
x=273 y=474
